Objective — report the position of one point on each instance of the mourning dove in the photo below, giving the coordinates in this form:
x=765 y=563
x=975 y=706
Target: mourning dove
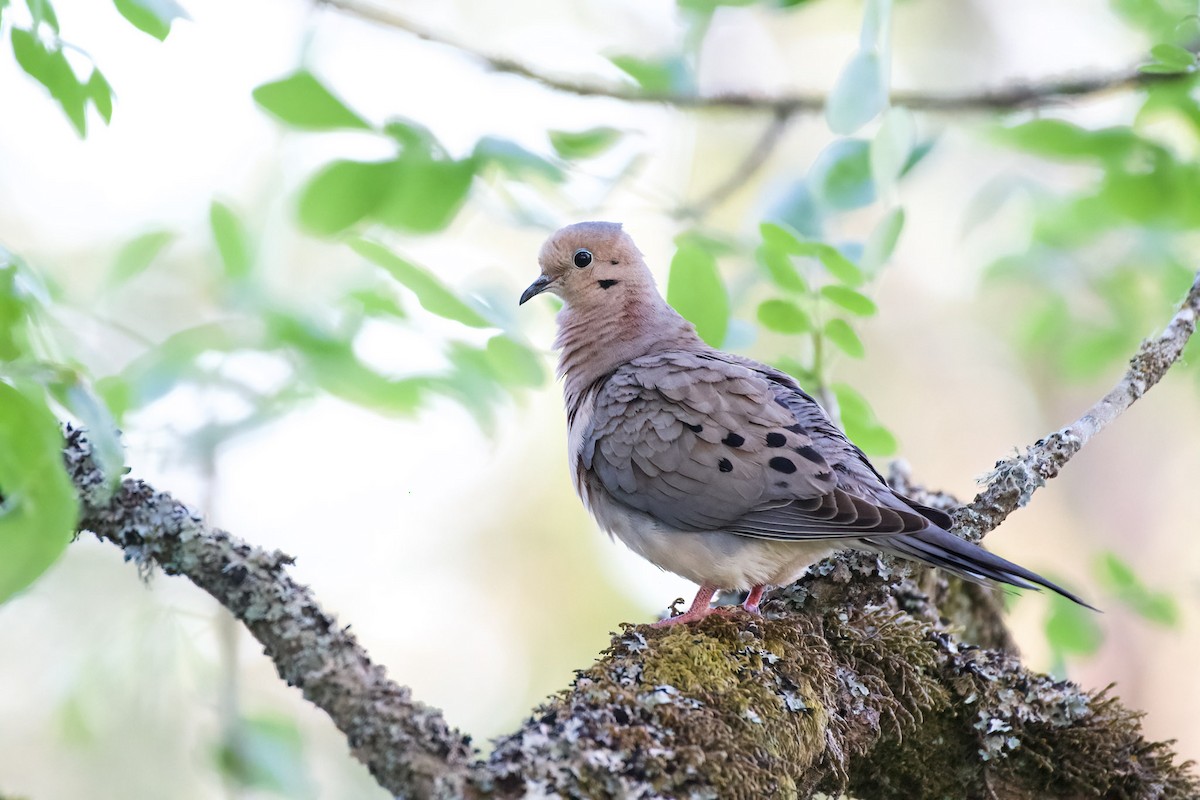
x=707 y=464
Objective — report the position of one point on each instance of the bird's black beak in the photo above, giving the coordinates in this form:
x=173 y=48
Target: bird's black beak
x=535 y=288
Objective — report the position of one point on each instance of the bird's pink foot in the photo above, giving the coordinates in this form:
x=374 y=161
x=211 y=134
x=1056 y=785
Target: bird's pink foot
x=698 y=610
x=753 y=599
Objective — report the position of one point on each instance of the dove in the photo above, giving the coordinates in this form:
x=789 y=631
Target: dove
x=708 y=464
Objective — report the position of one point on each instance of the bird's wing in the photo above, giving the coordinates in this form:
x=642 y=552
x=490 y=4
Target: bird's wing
x=704 y=441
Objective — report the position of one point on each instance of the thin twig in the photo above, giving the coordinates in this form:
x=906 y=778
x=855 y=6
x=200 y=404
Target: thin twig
x=1014 y=480
x=407 y=745
x=746 y=169
x=1003 y=98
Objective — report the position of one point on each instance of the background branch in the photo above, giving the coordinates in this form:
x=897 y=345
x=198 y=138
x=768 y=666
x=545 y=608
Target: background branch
x=1014 y=480
x=1016 y=96
x=746 y=169
x=405 y=744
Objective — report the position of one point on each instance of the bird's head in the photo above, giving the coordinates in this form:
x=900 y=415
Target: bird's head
x=589 y=264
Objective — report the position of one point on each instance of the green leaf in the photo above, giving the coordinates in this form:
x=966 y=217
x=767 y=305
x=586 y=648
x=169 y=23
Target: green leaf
x=266 y=753
x=1120 y=579
x=14 y=312
x=882 y=241
x=342 y=194
x=1115 y=573
x=781 y=269
x=1172 y=55
x=892 y=147
x=100 y=93
x=780 y=238
x=303 y=102
x=513 y=363
x=695 y=289
x=850 y=300
x=861 y=424
x=425 y=194
x=137 y=255
x=330 y=363
x=157 y=371
x=838 y=265
x=841 y=334
x=151 y=16
x=783 y=316
x=414 y=138
x=1072 y=629
x=102 y=433
x=39 y=508
x=656 y=76
x=515 y=160
x=1157 y=68
x=431 y=293
x=859 y=94
x=583 y=144
x=377 y=302
x=49 y=67
x=876 y=22
x=43 y=13
x=841 y=175
x=1054 y=138
x=232 y=241
x=413 y=192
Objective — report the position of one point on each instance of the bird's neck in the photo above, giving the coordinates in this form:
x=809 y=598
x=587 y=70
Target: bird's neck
x=594 y=341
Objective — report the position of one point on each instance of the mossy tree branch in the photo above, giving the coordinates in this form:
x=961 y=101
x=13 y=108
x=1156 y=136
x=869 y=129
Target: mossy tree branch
x=831 y=692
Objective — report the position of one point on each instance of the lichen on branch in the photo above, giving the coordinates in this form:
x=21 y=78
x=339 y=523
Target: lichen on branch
x=1014 y=480
x=869 y=701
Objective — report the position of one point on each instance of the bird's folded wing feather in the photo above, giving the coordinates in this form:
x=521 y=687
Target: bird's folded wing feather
x=705 y=441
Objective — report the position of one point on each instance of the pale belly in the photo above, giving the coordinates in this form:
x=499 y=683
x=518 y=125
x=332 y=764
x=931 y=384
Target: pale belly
x=715 y=558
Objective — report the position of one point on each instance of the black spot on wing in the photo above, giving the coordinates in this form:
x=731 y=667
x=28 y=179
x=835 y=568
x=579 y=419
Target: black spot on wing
x=811 y=454
x=693 y=428
x=733 y=440
x=776 y=439
x=724 y=465
x=797 y=428
x=781 y=464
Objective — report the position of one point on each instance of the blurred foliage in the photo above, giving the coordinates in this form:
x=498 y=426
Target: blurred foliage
x=1073 y=631
x=266 y=753
x=1109 y=259
x=43 y=55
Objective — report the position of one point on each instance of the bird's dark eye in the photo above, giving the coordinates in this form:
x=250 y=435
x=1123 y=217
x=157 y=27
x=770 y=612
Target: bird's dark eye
x=582 y=258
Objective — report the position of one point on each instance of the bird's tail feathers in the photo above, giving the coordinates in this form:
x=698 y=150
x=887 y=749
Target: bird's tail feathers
x=967 y=560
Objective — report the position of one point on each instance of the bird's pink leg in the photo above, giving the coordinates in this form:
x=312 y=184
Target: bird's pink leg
x=699 y=609
x=752 y=601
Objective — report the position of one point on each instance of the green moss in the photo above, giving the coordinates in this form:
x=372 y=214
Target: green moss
x=833 y=694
